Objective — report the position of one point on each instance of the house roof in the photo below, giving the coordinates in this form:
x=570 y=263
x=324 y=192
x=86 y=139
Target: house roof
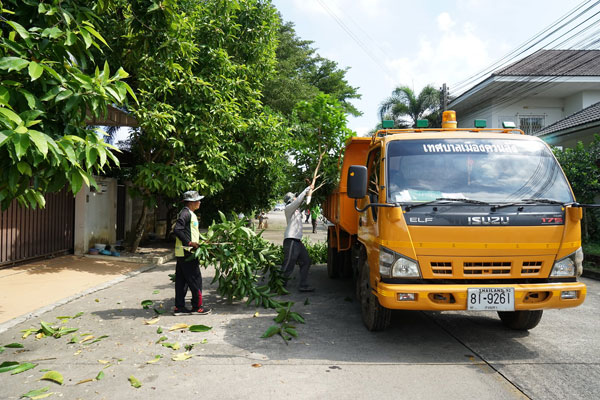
x=583 y=119
x=555 y=63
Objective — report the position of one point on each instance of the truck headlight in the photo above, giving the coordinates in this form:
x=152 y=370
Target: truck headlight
x=395 y=265
x=571 y=265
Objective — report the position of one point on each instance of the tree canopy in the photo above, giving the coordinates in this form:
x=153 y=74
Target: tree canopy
x=405 y=107
x=51 y=82
x=302 y=74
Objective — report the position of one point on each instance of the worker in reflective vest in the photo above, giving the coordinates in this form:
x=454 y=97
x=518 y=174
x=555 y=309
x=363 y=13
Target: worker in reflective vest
x=187 y=270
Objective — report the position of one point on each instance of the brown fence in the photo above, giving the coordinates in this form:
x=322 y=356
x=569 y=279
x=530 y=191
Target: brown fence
x=26 y=233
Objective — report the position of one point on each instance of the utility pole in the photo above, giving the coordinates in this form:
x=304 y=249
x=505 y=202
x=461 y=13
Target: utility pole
x=444 y=97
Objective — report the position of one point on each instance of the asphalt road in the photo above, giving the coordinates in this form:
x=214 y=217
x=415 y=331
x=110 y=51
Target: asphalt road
x=422 y=355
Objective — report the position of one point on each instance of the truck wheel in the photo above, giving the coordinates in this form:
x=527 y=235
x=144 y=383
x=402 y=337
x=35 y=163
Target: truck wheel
x=521 y=320
x=332 y=260
x=375 y=317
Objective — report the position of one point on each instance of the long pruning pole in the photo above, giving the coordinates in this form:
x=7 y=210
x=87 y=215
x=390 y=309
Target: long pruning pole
x=316 y=172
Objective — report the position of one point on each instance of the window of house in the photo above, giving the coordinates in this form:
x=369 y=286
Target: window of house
x=531 y=124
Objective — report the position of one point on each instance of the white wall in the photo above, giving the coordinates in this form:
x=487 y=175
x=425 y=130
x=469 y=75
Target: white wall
x=96 y=215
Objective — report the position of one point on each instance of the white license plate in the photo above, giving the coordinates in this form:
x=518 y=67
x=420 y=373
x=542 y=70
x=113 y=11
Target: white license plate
x=491 y=299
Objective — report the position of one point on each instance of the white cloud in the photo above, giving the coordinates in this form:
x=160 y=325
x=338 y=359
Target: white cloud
x=445 y=22
x=447 y=57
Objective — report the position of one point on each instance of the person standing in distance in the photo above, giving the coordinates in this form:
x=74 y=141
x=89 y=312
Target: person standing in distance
x=187 y=271
x=293 y=248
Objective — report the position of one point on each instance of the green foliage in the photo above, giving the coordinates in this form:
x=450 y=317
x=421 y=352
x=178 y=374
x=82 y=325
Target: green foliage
x=51 y=81
x=405 y=104
x=319 y=128
x=316 y=251
x=302 y=75
x=285 y=317
x=581 y=166
x=198 y=68
x=241 y=257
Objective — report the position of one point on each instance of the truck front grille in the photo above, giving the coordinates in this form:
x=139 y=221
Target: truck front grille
x=531 y=267
x=441 y=268
x=487 y=268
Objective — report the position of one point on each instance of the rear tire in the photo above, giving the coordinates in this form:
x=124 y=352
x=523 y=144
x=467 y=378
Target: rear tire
x=374 y=316
x=521 y=320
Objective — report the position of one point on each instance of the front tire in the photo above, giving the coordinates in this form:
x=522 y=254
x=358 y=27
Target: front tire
x=374 y=316
x=522 y=320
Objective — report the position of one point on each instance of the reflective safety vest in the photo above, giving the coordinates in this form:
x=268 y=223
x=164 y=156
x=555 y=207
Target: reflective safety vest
x=194 y=235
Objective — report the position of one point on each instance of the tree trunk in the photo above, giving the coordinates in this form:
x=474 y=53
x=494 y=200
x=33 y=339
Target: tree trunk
x=170 y=212
x=139 y=229
x=585 y=222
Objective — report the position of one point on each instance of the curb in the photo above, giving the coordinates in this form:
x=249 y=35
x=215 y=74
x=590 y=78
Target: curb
x=15 y=321
x=134 y=259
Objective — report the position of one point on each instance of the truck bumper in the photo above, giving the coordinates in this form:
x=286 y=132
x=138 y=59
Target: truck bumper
x=531 y=296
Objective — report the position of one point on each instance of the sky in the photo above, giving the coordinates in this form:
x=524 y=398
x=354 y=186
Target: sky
x=387 y=43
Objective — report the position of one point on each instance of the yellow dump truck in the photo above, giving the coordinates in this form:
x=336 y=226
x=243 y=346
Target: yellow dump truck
x=455 y=219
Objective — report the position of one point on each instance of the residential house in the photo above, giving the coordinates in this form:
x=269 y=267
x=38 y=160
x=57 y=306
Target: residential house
x=553 y=94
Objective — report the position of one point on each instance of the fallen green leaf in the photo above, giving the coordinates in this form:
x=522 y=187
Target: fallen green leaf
x=97 y=339
x=156 y=358
x=32 y=394
x=79 y=314
x=200 y=328
x=28 y=332
x=134 y=382
x=159 y=330
x=158 y=311
x=156 y=292
x=100 y=375
x=8 y=366
x=53 y=376
x=23 y=367
x=174 y=346
x=14 y=346
x=47 y=329
x=147 y=303
x=161 y=339
x=273 y=329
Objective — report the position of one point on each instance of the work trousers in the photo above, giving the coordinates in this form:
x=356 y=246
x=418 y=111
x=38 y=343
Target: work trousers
x=187 y=274
x=295 y=252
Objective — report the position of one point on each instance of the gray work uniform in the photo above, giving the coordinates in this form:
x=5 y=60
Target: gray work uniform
x=293 y=248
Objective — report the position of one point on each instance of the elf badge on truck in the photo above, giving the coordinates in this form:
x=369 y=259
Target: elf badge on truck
x=455 y=219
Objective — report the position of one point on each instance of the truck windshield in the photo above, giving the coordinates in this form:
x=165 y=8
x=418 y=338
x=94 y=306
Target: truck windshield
x=490 y=170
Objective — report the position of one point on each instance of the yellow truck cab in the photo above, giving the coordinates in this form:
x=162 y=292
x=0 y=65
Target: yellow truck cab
x=455 y=219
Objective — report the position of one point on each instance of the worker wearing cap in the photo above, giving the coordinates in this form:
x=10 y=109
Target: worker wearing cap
x=187 y=270
x=293 y=248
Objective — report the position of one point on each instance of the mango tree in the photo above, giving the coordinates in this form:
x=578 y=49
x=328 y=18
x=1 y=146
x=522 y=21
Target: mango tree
x=52 y=83
x=197 y=68
x=318 y=136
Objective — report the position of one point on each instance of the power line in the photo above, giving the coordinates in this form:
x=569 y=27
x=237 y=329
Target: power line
x=552 y=30
x=353 y=36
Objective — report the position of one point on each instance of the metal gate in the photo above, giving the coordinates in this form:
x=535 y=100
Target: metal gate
x=26 y=233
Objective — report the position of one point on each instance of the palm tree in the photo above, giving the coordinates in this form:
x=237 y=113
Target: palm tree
x=403 y=103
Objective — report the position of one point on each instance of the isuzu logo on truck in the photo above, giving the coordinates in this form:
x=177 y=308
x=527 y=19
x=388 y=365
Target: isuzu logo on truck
x=489 y=220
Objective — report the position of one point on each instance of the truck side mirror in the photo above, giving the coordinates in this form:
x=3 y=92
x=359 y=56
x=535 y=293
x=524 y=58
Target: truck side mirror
x=357 y=181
